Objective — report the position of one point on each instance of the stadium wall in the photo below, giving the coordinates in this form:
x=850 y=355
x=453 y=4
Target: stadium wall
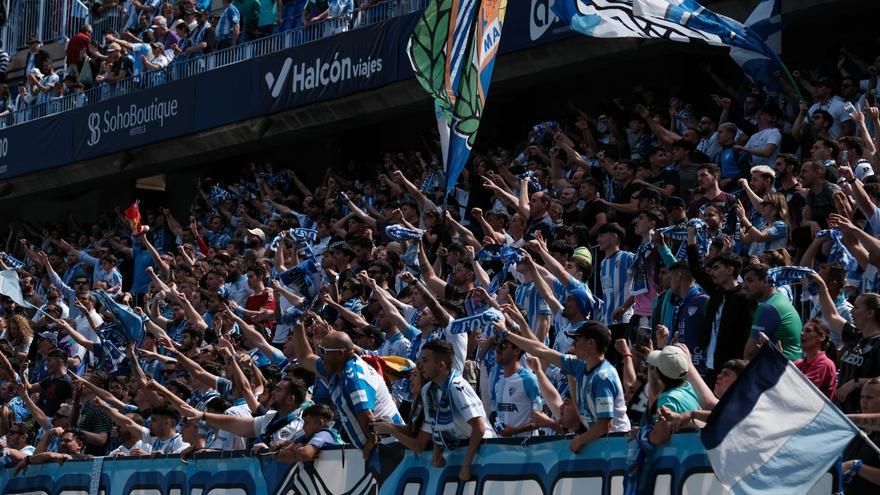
x=544 y=466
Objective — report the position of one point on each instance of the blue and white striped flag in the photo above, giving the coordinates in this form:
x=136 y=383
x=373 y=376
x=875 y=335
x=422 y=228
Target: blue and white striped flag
x=766 y=22
x=678 y=20
x=398 y=232
x=749 y=47
x=752 y=451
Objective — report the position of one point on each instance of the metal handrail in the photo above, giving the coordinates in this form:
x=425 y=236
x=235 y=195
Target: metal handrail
x=186 y=67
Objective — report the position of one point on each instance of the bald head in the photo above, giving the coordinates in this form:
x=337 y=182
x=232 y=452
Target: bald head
x=338 y=340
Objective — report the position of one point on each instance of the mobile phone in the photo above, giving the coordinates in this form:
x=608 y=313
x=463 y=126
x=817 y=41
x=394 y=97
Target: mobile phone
x=871 y=98
x=643 y=337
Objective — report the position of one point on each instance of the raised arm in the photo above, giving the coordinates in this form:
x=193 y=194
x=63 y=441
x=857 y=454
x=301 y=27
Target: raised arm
x=163 y=266
x=307 y=359
x=829 y=311
x=193 y=368
x=443 y=317
x=39 y=416
x=238 y=378
x=435 y=283
x=120 y=419
x=387 y=307
x=535 y=348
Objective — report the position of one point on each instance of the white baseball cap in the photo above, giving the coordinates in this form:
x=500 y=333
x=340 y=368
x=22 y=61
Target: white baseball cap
x=671 y=361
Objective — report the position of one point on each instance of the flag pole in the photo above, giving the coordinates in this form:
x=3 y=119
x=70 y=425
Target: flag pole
x=868 y=441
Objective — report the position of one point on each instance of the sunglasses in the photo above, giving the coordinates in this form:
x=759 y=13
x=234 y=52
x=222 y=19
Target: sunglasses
x=323 y=350
x=502 y=345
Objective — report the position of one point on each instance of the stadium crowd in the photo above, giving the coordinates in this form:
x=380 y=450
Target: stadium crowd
x=132 y=38
x=612 y=272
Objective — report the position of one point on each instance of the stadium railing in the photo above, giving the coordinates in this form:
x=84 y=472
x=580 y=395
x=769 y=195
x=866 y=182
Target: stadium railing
x=186 y=67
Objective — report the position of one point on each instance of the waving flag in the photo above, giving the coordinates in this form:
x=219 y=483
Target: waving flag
x=747 y=46
x=684 y=21
x=9 y=287
x=452 y=51
x=132 y=324
x=133 y=215
x=766 y=23
x=751 y=450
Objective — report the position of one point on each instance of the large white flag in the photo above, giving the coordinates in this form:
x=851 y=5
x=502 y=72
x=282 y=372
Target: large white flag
x=9 y=287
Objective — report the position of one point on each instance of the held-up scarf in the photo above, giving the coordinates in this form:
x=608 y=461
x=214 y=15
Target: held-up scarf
x=784 y=275
x=839 y=252
x=640 y=268
x=679 y=233
x=484 y=322
x=398 y=232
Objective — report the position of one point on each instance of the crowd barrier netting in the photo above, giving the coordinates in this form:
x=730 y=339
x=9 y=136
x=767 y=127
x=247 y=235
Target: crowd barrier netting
x=542 y=465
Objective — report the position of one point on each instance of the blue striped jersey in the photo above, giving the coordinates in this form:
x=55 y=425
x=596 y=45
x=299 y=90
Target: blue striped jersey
x=359 y=388
x=528 y=297
x=615 y=273
x=516 y=396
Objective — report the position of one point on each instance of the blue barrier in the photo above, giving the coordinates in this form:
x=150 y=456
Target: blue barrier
x=542 y=466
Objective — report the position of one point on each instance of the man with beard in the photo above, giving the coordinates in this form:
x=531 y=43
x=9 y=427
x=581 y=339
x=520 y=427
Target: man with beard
x=787 y=169
x=761 y=183
x=161 y=436
x=236 y=286
x=72 y=444
x=131 y=444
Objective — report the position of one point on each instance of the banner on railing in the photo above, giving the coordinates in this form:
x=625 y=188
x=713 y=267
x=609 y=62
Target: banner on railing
x=543 y=466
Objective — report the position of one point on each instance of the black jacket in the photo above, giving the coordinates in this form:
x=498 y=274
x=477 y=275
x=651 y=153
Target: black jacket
x=736 y=316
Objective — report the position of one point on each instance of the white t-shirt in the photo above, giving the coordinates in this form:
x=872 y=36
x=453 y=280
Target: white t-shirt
x=835 y=107
x=761 y=138
x=173 y=445
x=465 y=406
x=122 y=450
x=284 y=433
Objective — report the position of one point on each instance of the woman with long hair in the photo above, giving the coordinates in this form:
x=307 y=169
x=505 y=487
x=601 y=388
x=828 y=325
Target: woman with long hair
x=860 y=358
x=819 y=354
x=19 y=334
x=774 y=233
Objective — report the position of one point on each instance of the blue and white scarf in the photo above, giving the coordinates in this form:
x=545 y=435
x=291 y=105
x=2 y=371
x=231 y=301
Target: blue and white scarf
x=498 y=252
x=785 y=275
x=534 y=185
x=542 y=130
x=219 y=195
x=839 y=252
x=679 y=233
x=431 y=182
x=441 y=413
x=640 y=268
x=11 y=261
x=484 y=322
x=398 y=232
